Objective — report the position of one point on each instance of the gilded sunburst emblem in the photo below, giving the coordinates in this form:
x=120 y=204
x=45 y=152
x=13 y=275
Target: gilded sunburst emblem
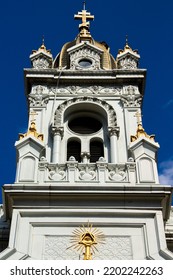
x=87 y=237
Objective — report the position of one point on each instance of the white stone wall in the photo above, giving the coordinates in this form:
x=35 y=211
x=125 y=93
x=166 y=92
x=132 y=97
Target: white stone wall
x=46 y=234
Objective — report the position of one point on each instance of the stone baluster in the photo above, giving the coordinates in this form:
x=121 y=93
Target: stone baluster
x=85 y=156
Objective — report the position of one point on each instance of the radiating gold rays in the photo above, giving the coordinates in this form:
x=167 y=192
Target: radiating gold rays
x=87 y=237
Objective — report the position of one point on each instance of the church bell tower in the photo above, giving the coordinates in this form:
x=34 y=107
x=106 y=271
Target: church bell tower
x=86 y=159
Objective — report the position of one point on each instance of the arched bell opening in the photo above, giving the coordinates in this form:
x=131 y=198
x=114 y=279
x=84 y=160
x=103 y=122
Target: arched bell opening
x=74 y=149
x=96 y=150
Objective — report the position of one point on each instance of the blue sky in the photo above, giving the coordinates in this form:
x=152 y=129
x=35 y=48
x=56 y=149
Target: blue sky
x=149 y=26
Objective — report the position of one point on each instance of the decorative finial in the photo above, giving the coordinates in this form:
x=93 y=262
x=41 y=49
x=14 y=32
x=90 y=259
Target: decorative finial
x=84 y=5
x=43 y=40
x=126 y=39
x=42 y=47
x=127 y=44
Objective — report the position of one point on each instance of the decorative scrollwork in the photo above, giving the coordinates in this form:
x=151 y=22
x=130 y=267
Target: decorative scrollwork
x=85 y=52
x=56 y=173
x=57 y=176
x=117 y=176
x=38 y=96
x=87 y=175
x=131 y=96
x=41 y=63
x=112 y=119
x=128 y=63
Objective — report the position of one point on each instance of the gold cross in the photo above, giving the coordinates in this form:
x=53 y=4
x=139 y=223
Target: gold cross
x=84 y=16
x=139 y=117
x=32 y=114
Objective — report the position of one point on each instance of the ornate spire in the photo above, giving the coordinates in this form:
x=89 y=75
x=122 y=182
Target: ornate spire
x=42 y=48
x=84 y=26
x=32 y=129
x=127 y=47
x=140 y=130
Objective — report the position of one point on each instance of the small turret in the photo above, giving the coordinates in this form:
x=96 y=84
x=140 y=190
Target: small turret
x=41 y=58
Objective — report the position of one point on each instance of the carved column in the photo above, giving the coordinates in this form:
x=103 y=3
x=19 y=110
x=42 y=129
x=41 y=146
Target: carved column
x=57 y=135
x=114 y=132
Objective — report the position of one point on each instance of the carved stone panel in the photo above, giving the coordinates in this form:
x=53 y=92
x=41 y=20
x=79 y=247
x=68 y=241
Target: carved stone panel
x=90 y=54
x=115 y=248
x=56 y=249
x=27 y=169
x=117 y=176
x=38 y=96
x=57 y=173
x=128 y=63
x=41 y=63
x=117 y=173
x=57 y=176
x=131 y=96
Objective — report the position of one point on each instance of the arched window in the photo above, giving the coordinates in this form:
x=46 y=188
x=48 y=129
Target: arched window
x=85 y=125
x=74 y=149
x=96 y=150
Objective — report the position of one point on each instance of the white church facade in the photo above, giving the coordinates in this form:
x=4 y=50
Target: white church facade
x=86 y=168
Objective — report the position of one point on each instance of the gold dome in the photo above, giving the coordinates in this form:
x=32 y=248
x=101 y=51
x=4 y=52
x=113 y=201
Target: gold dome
x=62 y=60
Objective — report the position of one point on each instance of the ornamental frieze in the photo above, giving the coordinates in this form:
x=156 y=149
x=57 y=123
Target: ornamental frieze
x=85 y=90
x=40 y=94
x=85 y=172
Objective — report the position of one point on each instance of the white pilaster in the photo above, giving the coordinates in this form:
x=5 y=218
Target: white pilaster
x=57 y=135
x=113 y=131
